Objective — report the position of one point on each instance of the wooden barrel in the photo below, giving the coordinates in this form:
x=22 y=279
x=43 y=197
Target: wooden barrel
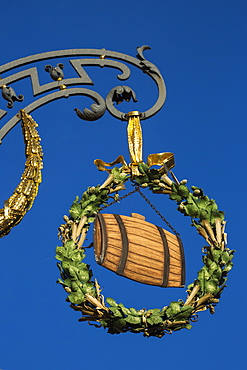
x=139 y=250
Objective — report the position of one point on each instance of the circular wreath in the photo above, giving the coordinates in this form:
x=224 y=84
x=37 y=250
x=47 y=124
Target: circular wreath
x=84 y=294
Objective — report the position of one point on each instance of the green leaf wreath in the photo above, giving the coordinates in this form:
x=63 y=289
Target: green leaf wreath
x=84 y=293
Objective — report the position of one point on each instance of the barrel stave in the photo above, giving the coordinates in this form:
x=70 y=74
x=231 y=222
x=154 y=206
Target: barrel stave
x=146 y=261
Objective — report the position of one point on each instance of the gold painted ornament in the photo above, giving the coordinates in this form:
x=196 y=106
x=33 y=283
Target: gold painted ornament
x=85 y=293
x=24 y=195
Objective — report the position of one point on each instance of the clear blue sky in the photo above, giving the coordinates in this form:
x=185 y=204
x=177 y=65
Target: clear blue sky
x=200 y=49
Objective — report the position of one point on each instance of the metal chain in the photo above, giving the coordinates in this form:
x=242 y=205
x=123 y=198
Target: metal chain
x=158 y=212
x=118 y=199
x=137 y=189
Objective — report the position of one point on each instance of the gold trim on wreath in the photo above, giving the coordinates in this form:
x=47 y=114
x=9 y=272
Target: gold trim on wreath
x=85 y=294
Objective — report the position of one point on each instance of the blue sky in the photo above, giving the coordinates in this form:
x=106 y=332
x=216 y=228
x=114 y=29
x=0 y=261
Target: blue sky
x=200 y=49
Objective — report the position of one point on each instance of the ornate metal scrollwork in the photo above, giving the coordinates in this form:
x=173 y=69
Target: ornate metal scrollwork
x=79 y=58
x=56 y=73
x=8 y=93
x=119 y=94
x=92 y=114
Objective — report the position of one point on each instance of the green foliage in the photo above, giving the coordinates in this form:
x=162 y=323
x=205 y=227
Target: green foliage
x=76 y=297
x=213 y=274
x=111 y=302
x=74 y=273
x=119 y=176
x=150 y=321
x=173 y=309
x=150 y=178
x=92 y=199
x=75 y=211
x=211 y=278
x=196 y=204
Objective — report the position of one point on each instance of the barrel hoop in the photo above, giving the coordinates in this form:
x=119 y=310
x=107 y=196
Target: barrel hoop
x=166 y=257
x=125 y=245
x=104 y=239
x=182 y=261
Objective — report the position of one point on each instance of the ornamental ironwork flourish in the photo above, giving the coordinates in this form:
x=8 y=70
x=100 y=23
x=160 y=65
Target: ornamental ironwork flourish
x=84 y=294
x=66 y=86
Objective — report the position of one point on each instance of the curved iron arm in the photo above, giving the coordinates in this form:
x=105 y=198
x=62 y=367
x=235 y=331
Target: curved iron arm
x=49 y=98
x=98 y=109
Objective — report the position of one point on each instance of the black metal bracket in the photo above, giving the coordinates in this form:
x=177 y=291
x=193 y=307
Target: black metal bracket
x=87 y=57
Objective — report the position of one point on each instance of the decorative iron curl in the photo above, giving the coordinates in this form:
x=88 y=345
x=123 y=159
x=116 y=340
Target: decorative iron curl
x=119 y=94
x=100 y=102
x=98 y=57
x=92 y=114
x=8 y=93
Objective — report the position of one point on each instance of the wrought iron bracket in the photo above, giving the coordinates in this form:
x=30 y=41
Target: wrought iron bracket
x=80 y=58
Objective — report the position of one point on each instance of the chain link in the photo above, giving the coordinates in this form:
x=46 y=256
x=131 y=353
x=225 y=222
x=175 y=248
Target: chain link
x=157 y=212
x=120 y=198
x=137 y=189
